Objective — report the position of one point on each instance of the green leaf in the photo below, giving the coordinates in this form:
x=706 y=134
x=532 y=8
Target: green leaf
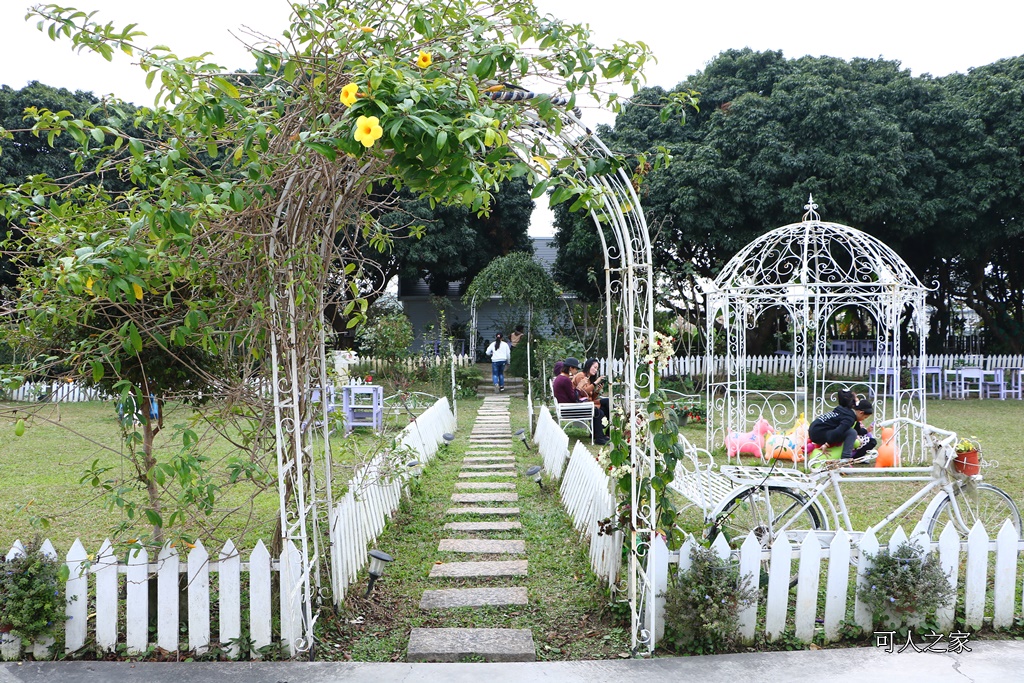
x=226 y=86
x=442 y=139
x=154 y=518
x=97 y=371
x=326 y=150
x=136 y=339
x=97 y=135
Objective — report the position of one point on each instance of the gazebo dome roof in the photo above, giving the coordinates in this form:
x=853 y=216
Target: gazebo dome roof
x=819 y=255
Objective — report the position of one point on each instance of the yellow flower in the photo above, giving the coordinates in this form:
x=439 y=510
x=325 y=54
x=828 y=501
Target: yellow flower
x=424 y=60
x=368 y=130
x=366 y=29
x=349 y=93
x=137 y=290
x=88 y=285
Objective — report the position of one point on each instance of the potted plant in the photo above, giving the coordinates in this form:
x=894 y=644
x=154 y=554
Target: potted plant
x=904 y=582
x=32 y=602
x=968 y=456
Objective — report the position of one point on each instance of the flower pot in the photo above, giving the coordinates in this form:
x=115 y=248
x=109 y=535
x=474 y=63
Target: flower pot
x=967 y=463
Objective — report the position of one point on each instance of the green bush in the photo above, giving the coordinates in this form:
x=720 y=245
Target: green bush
x=387 y=333
x=906 y=581
x=32 y=594
x=702 y=605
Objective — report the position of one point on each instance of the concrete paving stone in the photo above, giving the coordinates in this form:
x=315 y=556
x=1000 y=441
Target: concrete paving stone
x=454 y=644
x=472 y=570
x=485 y=497
x=464 y=485
x=493 y=466
x=482 y=511
x=991 y=661
x=476 y=475
x=482 y=546
x=486 y=458
x=449 y=598
x=482 y=526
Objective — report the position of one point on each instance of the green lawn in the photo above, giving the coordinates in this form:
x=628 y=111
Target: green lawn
x=40 y=474
x=40 y=471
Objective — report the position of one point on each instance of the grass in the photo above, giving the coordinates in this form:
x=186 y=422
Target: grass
x=41 y=474
x=996 y=423
x=567 y=610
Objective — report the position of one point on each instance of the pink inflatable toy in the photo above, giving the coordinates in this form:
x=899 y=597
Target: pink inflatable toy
x=751 y=442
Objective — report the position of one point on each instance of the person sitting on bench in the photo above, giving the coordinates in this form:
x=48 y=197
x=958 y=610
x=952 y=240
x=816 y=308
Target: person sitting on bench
x=565 y=392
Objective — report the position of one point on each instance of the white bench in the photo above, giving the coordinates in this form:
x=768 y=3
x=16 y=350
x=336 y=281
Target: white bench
x=569 y=413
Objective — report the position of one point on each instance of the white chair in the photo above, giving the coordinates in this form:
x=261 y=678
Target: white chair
x=569 y=413
x=1002 y=382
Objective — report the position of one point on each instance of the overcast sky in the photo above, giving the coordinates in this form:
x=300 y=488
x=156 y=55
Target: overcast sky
x=927 y=37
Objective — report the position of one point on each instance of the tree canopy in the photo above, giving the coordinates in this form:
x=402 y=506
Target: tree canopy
x=930 y=166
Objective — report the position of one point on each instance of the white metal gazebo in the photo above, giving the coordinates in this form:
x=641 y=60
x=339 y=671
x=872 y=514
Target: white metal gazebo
x=807 y=273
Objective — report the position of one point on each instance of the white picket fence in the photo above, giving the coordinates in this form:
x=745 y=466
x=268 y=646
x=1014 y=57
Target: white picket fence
x=53 y=392
x=412 y=363
x=123 y=614
x=552 y=443
x=131 y=611
x=852 y=366
x=358 y=519
x=586 y=495
x=979 y=553
x=585 y=491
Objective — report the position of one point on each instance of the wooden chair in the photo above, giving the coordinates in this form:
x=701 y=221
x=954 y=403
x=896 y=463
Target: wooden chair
x=568 y=413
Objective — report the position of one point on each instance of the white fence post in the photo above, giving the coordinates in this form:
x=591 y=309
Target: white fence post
x=105 y=571
x=229 y=589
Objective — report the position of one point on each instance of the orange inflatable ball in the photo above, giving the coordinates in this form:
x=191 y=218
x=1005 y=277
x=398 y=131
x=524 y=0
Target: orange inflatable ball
x=888 y=453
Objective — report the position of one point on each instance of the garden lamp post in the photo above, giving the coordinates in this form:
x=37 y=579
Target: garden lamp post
x=378 y=561
x=521 y=433
x=415 y=467
x=534 y=473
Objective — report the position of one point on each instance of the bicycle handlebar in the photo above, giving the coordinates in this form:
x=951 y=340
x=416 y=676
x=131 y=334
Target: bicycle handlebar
x=946 y=437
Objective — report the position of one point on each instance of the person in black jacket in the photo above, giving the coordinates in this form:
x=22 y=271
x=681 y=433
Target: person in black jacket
x=838 y=425
x=867 y=441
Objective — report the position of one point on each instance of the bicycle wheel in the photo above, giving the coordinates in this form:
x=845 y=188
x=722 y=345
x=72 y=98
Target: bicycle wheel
x=990 y=505
x=763 y=510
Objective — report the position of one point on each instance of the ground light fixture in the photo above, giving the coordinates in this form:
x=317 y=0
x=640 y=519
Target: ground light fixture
x=448 y=437
x=415 y=467
x=378 y=561
x=521 y=433
x=534 y=472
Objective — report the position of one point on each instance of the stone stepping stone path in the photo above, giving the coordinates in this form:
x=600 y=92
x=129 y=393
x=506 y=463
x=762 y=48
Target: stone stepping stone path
x=453 y=644
x=474 y=570
x=490 y=456
x=482 y=511
x=472 y=597
x=485 y=497
x=482 y=546
x=483 y=526
x=464 y=485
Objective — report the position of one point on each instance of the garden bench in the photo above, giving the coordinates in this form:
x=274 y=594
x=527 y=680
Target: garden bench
x=568 y=413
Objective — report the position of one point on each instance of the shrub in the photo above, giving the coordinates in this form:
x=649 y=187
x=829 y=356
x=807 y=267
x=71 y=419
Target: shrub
x=904 y=582
x=387 y=333
x=32 y=594
x=702 y=605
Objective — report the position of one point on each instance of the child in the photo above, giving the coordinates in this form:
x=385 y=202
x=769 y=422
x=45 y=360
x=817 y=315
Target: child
x=837 y=426
x=867 y=441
